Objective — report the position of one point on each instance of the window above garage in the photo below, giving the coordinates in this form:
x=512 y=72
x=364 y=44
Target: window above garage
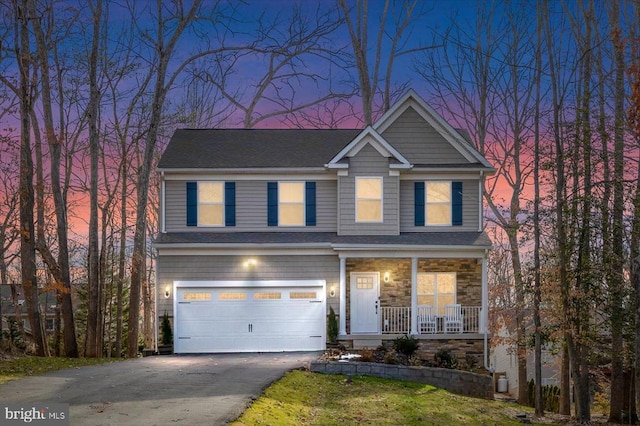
x=211 y=203
x=291 y=203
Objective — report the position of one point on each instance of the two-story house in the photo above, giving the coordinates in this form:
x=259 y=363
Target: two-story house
x=263 y=230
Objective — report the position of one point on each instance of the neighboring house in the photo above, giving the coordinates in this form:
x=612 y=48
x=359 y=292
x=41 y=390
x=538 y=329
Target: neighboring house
x=263 y=230
x=504 y=360
x=13 y=305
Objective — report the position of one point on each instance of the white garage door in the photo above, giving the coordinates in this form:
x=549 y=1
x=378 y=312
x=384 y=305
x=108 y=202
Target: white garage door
x=260 y=316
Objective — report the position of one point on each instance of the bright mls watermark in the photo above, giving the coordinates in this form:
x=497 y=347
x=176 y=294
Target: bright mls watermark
x=36 y=414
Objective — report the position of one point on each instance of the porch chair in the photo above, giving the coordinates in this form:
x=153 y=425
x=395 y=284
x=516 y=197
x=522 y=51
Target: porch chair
x=427 y=321
x=453 y=318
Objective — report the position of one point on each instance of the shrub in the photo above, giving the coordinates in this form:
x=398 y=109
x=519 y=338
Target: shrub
x=471 y=362
x=406 y=345
x=445 y=359
x=550 y=396
x=332 y=326
x=391 y=358
x=367 y=355
x=167 y=333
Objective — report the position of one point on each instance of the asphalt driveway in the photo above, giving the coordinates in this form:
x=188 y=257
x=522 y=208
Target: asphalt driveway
x=208 y=389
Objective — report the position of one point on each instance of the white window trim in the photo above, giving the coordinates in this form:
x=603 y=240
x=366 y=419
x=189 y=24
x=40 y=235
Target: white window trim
x=426 y=203
x=224 y=203
x=380 y=178
x=435 y=295
x=304 y=204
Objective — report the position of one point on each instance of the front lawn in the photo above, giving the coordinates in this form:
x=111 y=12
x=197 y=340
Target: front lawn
x=14 y=368
x=305 y=398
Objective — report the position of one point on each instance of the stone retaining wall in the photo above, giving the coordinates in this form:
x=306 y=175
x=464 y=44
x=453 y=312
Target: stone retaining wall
x=456 y=381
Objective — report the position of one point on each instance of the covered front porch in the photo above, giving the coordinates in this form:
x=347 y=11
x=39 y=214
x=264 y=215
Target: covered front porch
x=432 y=296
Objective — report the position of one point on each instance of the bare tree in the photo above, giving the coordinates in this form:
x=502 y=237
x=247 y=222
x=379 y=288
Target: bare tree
x=163 y=45
x=60 y=268
x=484 y=88
x=92 y=345
x=370 y=75
x=299 y=52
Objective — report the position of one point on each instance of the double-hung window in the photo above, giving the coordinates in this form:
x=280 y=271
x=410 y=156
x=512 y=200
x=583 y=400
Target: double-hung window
x=438 y=203
x=291 y=203
x=437 y=289
x=368 y=199
x=211 y=203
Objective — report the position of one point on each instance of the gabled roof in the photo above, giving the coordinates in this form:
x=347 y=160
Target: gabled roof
x=253 y=148
x=368 y=137
x=235 y=149
x=457 y=140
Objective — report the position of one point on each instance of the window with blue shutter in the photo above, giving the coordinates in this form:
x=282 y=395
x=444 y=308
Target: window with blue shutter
x=418 y=189
x=272 y=203
x=456 y=203
x=444 y=199
x=230 y=204
x=310 y=203
x=192 y=204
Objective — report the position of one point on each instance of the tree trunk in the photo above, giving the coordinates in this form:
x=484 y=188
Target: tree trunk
x=27 y=201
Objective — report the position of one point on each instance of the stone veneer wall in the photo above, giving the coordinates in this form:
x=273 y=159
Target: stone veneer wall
x=397 y=292
x=456 y=381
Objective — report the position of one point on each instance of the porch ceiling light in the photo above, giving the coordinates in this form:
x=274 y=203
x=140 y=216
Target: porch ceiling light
x=386 y=277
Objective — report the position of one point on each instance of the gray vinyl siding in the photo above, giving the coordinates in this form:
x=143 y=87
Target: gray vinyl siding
x=470 y=209
x=419 y=142
x=217 y=268
x=368 y=163
x=251 y=209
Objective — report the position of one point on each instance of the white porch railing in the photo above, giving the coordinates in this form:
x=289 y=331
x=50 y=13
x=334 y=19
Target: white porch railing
x=397 y=320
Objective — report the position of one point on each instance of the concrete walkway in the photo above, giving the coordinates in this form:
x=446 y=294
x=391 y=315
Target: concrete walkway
x=209 y=389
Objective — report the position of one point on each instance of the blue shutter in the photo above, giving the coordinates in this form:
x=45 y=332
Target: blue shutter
x=192 y=203
x=310 y=203
x=272 y=203
x=418 y=190
x=456 y=203
x=230 y=204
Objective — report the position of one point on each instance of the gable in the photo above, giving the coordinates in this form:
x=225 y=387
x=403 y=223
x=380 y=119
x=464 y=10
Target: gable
x=419 y=142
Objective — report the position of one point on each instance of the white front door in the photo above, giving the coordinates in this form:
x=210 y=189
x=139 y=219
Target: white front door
x=365 y=302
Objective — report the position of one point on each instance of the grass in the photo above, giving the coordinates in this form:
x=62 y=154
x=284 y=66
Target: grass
x=305 y=398
x=15 y=368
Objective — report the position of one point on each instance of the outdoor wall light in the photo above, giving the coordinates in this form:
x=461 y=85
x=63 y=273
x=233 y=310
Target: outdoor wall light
x=167 y=292
x=250 y=263
x=332 y=291
x=386 y=277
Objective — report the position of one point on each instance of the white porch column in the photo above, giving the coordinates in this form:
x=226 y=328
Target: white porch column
x=414 y=295
x=484 y=316
x=343 y=297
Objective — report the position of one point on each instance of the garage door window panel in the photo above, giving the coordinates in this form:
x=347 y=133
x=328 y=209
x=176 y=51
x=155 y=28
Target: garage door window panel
x=268 y=295
x=232 y=296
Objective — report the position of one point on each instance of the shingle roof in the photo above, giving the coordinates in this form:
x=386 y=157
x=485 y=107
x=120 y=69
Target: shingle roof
x=253 y=148
x=329 y=239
